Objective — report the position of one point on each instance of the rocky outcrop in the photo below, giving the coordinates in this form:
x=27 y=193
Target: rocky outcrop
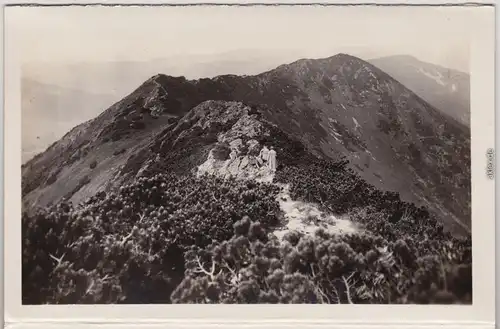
x=243 y=166
x=241 y=139
x=155 y=101
x=240 y=168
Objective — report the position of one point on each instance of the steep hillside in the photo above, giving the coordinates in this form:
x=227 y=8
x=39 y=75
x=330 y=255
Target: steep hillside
x=338 y=106
x=446 y=89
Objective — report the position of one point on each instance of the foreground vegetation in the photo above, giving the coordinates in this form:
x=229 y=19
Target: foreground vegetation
x=171 y=238
x=128 y=246
x=177 y=239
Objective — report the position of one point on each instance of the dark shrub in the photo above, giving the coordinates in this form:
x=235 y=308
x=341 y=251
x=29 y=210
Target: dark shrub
x=221 y=151
x=52 y=179
x=244 y=149
x=118 y=152
x=138 y=125
x=147 y=265
x=84 y=180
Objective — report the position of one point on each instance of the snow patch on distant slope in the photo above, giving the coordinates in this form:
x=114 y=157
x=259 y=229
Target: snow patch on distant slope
x=438 y=78
x=356 y=123
x=371 y=155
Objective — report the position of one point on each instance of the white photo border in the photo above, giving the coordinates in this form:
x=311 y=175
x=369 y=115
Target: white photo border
x=482 y=312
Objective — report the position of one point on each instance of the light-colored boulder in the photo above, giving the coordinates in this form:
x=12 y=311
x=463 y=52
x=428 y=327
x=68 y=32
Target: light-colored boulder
x=244 y=163
x=234 y=166
x=236 y=144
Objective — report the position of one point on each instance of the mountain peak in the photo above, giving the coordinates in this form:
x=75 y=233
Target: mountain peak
x=344 y=56
x=340 y=57
x=336 y=106
x=164 y=79
x=311 y=68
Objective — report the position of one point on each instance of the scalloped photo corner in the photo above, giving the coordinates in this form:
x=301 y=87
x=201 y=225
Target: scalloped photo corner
x=244 y=163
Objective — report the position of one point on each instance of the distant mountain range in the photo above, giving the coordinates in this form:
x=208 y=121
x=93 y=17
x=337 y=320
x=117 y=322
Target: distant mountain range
x=49 y=111
x=92 y=87
x=446 y=89
x=336 y=107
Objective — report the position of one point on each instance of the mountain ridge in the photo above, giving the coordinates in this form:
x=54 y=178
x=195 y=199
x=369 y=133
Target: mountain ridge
x=337 y=106
x=38 y=140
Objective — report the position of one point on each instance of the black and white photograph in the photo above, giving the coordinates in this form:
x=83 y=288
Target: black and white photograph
x=247 y=155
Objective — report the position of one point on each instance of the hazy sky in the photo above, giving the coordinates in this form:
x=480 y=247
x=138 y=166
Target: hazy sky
x=72 y=34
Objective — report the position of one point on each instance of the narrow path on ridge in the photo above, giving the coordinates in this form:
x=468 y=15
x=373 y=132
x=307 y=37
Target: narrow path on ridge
x=307 y=218
x=299 y=216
